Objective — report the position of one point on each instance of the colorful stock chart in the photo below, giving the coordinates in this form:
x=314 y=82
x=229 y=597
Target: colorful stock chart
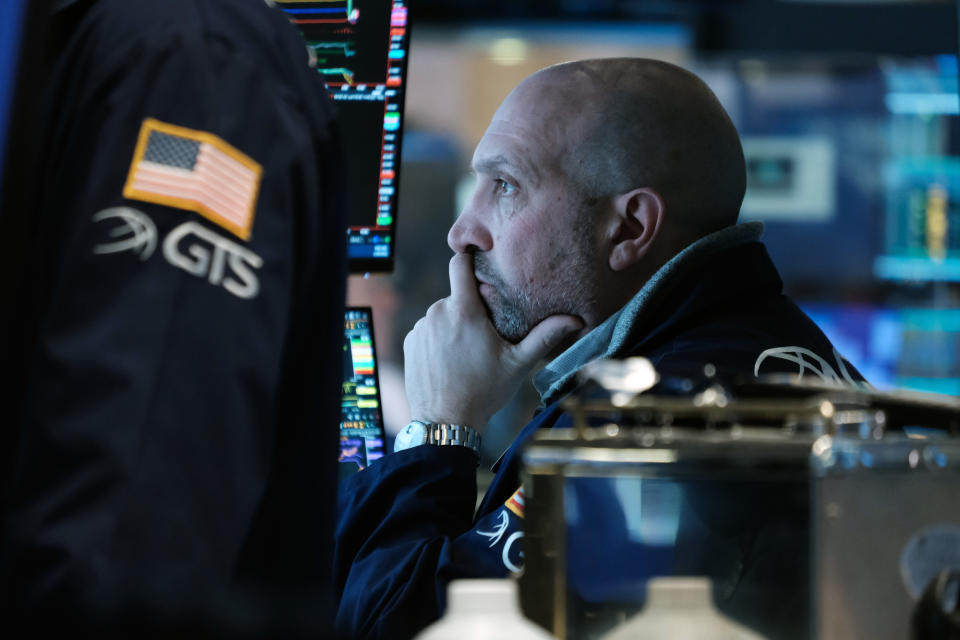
x=360 y=48
x=361 y=421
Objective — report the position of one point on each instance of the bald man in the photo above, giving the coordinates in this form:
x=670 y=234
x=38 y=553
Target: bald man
x=602 y=224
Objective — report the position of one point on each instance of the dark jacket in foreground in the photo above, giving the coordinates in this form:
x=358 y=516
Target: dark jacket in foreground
x=175 y=412
x=407 y=523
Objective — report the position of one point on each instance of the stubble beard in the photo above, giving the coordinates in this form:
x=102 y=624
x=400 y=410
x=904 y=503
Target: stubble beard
x=515 y=310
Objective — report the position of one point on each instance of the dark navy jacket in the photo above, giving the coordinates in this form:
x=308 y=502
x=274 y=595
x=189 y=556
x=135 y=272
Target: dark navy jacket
x=171 y=416
x=407 y=523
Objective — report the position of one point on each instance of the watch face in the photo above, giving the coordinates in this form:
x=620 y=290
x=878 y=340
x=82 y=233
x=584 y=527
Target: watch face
x=414 y=434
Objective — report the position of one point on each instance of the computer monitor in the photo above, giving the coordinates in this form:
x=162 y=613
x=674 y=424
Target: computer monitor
x=361 y=51
x=361 y=418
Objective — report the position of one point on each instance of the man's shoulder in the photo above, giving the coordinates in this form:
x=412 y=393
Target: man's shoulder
x=211 y=39
x=729 y=311
x=121 y=25
x=771 y=336
x=197 y=14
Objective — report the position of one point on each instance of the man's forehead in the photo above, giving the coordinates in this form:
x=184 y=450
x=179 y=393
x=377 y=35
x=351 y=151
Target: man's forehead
x=509 y=163
x=552 y=113
x=511 y=151
x=521 y=140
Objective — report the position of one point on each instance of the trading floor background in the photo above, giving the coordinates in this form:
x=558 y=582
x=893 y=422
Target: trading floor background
x=848 y=113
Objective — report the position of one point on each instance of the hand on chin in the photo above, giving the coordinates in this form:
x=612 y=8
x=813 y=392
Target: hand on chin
x=457 y=368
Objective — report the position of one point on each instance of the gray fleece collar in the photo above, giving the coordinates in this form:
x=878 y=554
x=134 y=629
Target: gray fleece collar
x=611 y=338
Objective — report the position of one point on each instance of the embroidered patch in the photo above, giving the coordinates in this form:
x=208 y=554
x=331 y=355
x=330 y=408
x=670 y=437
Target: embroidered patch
x=196 y=171
x=515 y=503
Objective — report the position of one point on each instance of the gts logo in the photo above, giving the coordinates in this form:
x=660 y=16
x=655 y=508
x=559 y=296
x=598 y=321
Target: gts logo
x=190 y=247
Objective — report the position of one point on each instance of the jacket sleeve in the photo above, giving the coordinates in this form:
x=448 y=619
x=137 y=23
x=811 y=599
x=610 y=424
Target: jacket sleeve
x=406 y=529
x=151 y=432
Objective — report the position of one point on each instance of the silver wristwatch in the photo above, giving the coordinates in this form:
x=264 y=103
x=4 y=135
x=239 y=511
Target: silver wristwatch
x=419 y=432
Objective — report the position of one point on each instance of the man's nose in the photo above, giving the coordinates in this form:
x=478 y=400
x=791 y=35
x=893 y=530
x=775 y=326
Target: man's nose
x=468 y=232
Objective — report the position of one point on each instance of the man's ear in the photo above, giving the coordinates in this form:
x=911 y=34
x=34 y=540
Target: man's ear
x=639 y=216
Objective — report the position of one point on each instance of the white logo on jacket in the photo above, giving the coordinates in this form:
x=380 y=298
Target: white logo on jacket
x=207 y=256
x=807 y=360
x=137 y=233
x=498 y=530
x=497 y=534
x=190 y=247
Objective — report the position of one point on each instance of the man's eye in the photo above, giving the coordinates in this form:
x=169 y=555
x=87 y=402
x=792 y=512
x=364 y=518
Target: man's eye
x=503 y=187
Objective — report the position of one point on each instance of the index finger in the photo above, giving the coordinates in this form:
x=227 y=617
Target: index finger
x=463 y=284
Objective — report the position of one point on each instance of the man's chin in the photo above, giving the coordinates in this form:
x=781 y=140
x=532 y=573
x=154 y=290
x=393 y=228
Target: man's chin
x=509 y=337
x=507 y=327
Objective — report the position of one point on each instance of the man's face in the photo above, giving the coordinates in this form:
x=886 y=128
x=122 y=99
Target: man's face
x=534 y=243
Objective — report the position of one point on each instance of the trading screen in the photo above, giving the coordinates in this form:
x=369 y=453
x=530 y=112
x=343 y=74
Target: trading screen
x=361 y=421
x=360 y=48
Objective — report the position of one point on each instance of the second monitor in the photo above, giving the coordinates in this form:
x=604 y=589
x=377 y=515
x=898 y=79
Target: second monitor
x=361 y=49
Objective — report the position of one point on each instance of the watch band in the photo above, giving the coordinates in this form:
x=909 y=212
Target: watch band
x=436 y=433
x=453 y=434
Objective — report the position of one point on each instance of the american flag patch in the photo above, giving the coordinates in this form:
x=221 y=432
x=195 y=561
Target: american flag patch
x=515 y=503
x=196 y=171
